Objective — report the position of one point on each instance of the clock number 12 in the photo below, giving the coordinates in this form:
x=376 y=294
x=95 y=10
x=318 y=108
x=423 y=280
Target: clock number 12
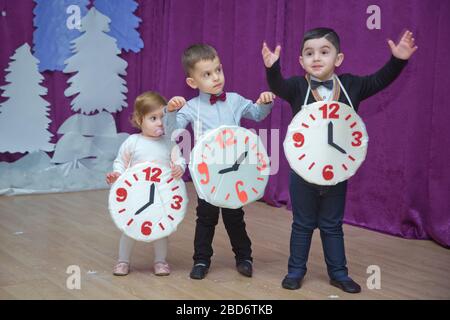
x=334 y=108
x=154 y=175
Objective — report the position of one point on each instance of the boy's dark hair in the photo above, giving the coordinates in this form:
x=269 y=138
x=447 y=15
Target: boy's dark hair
x=196 y=53
x=326 y=33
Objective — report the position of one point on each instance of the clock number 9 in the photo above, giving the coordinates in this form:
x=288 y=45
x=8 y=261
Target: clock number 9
x=327 y=172
x=242 y=195
x=334 y=107
x=261 y=161
x=177 y=204
x=221 y=138
x=357 y=135
x=299 y=139
x=203 y=169
x=146 y=229
x=121 y=194
x=154 y=175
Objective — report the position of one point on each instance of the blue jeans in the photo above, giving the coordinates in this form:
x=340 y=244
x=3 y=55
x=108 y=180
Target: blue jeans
x=322 y=207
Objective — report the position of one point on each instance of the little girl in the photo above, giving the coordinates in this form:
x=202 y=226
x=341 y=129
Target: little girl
x=149 y=145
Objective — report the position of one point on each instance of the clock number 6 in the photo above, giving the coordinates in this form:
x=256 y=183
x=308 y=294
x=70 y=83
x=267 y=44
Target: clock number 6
x=242 y=195
x=221 y=138
x=334 y=107
x=154 y=175
x=357 y=135
x=327 y=172
x=146 y=229
x=177 y=204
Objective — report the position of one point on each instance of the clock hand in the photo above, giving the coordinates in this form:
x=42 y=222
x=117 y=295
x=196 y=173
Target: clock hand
x=236 y=165
x=330 y=139
x=150 y=200
x=152 y=193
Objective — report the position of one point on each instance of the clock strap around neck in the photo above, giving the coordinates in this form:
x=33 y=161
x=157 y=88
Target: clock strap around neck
x=345 y=92
x=336 y=78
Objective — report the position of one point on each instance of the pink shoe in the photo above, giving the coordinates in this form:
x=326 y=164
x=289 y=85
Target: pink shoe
x=161 y=268
x=121 y=269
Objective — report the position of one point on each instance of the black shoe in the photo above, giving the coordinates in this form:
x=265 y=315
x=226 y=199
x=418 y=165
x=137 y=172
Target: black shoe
x=199 y=271
x=245 y=268
x=349 y=286
x=291 y=283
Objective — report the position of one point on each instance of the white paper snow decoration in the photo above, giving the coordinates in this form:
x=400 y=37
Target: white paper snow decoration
x=24 y=116
x=99 y=124
x=98 y=82
x=73 y=146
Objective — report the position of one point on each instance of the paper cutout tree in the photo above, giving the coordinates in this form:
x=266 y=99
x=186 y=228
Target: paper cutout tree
x=123 y=23
x=98 y=81
x=52 y=36
x=24 y=116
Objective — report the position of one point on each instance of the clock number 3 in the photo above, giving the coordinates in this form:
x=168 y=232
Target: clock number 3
x=242 y=195
x=357 y=135
x=221 y=138
x=177 y=204
x=261 y=161
x=334 y=108
x=154 y=175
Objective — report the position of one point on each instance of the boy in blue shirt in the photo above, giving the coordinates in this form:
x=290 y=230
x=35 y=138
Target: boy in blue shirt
x=209 y=110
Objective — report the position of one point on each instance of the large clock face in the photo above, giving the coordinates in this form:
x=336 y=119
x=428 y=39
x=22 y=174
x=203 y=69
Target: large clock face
x=326 y=142
x=230 y=167
x=146 y=203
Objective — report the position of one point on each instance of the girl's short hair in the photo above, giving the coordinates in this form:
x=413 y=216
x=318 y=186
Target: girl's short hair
x=146 y=102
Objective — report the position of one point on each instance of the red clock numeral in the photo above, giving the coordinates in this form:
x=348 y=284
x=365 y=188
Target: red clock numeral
x=221 y=138
x=327 y=172
x=152 y=174
x=203 y=169
x=146 y=229
x=121 y=194
x=357 y=135
x=261 y=161
x=177 y=204
x=242 y=195
x=334 y=107
x=299 y=139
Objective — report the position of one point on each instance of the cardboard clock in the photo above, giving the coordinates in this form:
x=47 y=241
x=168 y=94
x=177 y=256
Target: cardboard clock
x=229 y=167
x=146 y=203
x=326 y=142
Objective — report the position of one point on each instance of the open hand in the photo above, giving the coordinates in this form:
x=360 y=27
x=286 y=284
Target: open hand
x=265 y=98
x=111 y=177
x=175 y=103
x=405 y=47
x=270 y=57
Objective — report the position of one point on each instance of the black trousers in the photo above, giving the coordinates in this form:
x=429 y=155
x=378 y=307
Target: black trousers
x=233 y=219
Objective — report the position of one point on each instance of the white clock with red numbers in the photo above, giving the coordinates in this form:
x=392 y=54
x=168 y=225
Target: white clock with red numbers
x=229 y=167
x=146 y=203
x=326 y=142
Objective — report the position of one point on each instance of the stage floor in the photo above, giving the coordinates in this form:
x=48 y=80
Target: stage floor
x=42 y=235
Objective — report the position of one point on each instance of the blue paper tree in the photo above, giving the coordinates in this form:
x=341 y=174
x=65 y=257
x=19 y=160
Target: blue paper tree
x=123 y=22
x=52 y=36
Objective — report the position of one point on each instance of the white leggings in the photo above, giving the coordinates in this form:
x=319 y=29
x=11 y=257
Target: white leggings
x=126 y=247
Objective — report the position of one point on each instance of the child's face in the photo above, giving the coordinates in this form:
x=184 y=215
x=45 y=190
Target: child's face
x=152 y=124
x=319 y=58
x=207 y=76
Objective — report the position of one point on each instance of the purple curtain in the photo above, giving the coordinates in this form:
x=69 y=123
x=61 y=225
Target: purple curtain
x=403 y=186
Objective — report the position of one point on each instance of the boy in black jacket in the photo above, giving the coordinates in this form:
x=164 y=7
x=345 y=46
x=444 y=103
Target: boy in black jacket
x=323 y=206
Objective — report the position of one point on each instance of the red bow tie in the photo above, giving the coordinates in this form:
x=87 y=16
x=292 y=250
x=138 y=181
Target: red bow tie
x=213 y=99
